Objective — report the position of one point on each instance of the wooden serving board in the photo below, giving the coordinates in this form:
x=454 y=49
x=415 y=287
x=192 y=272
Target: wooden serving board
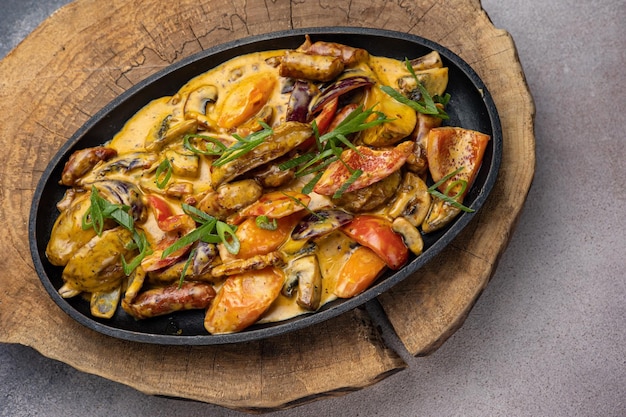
x=91 y=51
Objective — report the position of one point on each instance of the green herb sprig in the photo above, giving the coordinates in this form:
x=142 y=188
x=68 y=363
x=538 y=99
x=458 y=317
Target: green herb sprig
x=102 y=210
x=244 y=145
x=211 y=230
x=213 y=146
x=427 y=105
x=141 y=243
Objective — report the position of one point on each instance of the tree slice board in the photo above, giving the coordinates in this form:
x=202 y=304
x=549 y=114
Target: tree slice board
x=89 y=52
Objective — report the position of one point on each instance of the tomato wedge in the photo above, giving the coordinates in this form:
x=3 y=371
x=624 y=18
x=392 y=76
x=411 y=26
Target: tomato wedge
x=326 y=116
x=451 y=148
x=161 y=209
x=360 y=270
x=243 y=299
x=376 y=165
x=254 y=240
x=377 y=234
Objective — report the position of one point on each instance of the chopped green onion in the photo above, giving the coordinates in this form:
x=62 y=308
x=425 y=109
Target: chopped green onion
x=452 y=185
x=228 y=237
x=189 y=238
x=211 y=230
x=331 y=144
x=216 y=147
x=163 y=173
x=244 y=145
x=292 y=163
x=198 y=216
x=192 y=254
x=142 y=244
x=308 y=187
x=263 y=222
x=444 y=179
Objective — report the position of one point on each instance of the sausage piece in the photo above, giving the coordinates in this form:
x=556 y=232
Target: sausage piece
x=348 y=54
x=310 y=67
x=166 y=300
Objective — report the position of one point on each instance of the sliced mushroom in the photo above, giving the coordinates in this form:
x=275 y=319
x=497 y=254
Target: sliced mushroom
x=104 y=304
x=238 y=194
x=198 y=100
x=428 y=61
x=434 y=80
x=302 y=275
x=440 y=214
x=412 y=200
x=307 y=270
x=320 y=223
x=411 y=236
x=183 y=164
x=168 y=131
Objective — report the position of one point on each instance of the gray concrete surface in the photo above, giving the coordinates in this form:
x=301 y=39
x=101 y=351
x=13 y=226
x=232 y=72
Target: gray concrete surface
x=547 y=337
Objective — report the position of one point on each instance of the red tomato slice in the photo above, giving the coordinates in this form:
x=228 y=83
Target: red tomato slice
x=377 y=234
x=376 y=165
x=243 y=299
x=450 y=148
x=322 y=121
x=341 y=115
x=160 y=207
x=326 y=116
x=277 y=204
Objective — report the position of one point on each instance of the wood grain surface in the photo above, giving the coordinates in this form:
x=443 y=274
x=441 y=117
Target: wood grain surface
x=90 y=51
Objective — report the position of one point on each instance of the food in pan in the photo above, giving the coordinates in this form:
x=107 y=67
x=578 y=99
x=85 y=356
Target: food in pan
x=265 y=188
